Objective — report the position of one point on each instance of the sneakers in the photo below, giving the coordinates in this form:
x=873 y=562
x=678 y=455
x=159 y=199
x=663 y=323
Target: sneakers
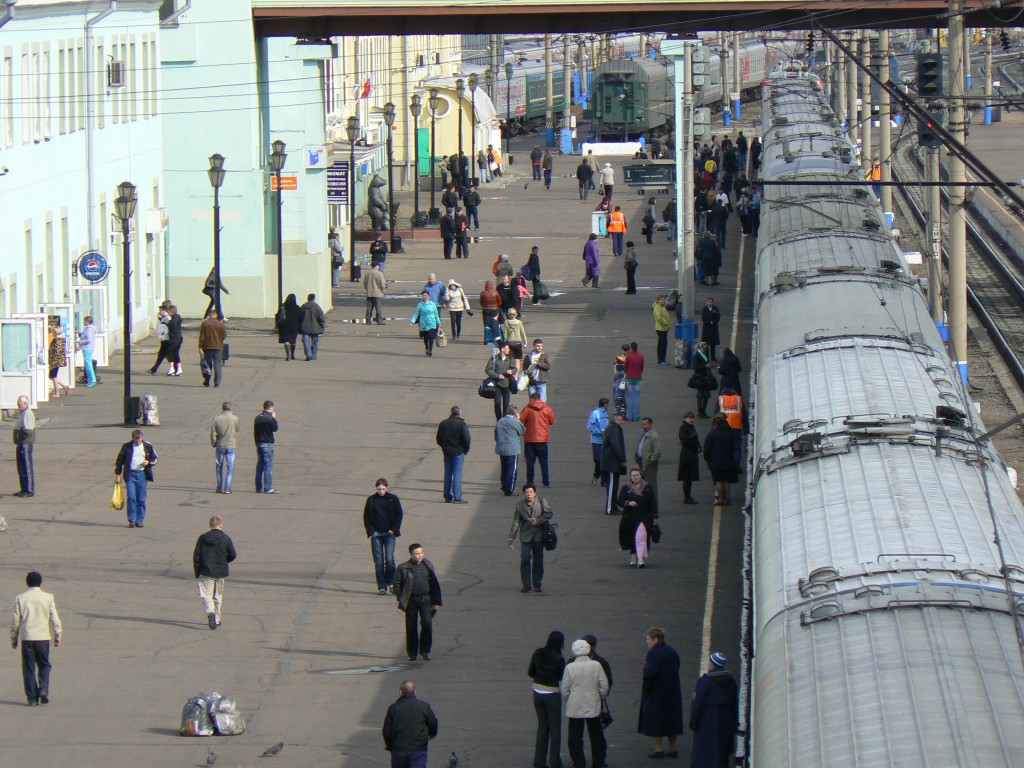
x=632 y=560
x=524 y=590
x=211 y=619
x=382 y=591
x=425 y=656
x=641 y=563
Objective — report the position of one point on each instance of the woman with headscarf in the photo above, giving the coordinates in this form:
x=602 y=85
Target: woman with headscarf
x=546 y=668
x=638 y=518
x=457 y=302
x=289 y=319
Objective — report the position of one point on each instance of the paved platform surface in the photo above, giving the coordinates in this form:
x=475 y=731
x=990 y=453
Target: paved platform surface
x=302 y=619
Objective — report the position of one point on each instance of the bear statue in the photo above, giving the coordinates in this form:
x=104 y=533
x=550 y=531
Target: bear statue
x=378 y=205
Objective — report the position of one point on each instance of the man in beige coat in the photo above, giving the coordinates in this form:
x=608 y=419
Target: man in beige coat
x=34 y=623
x=374 y=284
x=584 y=685
x=648 y=456
x=224 y=438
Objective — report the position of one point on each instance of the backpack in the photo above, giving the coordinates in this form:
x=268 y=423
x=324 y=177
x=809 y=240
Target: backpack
x=549 y=538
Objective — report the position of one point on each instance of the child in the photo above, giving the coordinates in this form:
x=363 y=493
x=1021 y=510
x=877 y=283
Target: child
x=630 y=264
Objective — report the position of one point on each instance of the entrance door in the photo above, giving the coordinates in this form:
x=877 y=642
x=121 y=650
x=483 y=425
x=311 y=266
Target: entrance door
x=41 y=369
x=18 y=362
x=91 y=300
x=65 y=313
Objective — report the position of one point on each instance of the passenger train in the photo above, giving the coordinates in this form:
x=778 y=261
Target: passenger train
x=887 y=541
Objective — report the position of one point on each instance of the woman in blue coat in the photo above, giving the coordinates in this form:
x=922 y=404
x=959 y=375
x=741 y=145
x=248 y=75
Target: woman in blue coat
x=427 y=316
x=661 y=699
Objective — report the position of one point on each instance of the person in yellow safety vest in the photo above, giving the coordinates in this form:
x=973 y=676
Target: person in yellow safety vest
x=730 y=405
x=617 y=229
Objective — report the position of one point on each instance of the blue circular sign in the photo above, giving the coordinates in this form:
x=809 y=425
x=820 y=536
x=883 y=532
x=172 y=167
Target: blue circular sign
x=93 y=266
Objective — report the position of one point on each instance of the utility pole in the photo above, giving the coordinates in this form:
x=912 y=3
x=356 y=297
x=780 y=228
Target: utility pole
x=549 y=117
x=566 y=98
x=957 y=212
x=867 y=153
x=988 y=79
x=725 y=72
x=737 y=114
x=851 y=88
x=840 y=92
x=884 y=120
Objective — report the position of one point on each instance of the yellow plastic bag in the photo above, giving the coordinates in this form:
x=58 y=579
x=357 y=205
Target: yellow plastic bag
x=117 y=500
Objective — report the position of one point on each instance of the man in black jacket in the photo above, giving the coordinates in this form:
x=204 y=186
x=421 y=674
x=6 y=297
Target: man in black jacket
x=613 y=459
x=382 y=519
x=134 y=467
x=447 y=228
x=472 y=202
x=408 y=727
x=419 y=596
x=453 y=437
x=214 y=550
x=461 y=235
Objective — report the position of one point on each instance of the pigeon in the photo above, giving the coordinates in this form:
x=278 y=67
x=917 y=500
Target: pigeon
x=526 y=185
x=211 y=758
x=274 y=749
x=453 y=761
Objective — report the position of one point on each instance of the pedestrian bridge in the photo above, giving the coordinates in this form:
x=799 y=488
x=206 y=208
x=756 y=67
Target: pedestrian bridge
x=316 y=19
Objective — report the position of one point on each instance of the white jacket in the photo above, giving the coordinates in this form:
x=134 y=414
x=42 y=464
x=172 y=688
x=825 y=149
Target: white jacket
x=608 y=175
x=456 y=300
x=584 y=684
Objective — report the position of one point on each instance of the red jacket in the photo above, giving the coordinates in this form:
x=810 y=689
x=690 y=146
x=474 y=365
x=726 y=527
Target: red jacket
x=538 y=418
x=634 y=366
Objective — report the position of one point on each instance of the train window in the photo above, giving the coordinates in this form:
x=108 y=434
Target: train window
x=607 y=103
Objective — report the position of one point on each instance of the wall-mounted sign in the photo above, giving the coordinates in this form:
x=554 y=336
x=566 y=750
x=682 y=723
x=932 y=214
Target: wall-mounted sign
x=337 y=184
x=93 y=266
x=288 y=183
x=316 y=157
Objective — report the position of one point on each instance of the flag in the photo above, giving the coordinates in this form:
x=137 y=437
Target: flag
x=366 y=89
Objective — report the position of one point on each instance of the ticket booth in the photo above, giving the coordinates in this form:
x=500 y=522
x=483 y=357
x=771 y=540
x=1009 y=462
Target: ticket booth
x=64 y=314
x=22 y=339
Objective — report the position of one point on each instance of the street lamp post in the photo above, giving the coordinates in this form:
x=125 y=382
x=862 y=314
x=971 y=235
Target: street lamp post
x=216 y=174
x=352 y=129
x=473 y=82
x=389 y=121
x=433 y=102
x=124 y=207
x=415 y=107
x=508 y=107
x=460 y=86
x=277 y=160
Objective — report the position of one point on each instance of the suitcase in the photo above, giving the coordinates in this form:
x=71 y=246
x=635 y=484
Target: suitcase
x=357 y=273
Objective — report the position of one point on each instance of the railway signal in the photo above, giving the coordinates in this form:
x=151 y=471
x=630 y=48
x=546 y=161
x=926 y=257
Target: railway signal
x=929 y=75
x=926 y=135
x=1004 y=38
x=810 y=43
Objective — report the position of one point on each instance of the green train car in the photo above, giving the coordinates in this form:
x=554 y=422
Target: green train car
x=631 y=97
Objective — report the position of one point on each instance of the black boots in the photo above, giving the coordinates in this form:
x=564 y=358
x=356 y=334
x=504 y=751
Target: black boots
x=702 y=405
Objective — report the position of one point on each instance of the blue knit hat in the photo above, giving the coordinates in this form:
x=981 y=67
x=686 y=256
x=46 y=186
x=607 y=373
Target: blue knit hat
x=718 y=659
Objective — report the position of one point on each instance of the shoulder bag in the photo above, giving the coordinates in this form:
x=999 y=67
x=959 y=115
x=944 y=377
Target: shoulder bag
x=550 y=537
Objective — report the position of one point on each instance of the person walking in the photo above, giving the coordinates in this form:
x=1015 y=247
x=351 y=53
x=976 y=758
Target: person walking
x=597 y=423
x=224 y=439
x=619 y=380
x=175 y=338
x=510 y=296
x=382 y=521
x=608 y=180
x=617 y=229
x=639 y=516
x=212 y=335
x=634 y=374
x=528 y=521
x=213 y=551
x=547 y=665
x=24 y=438
x=648 y=456
x=662 y=322
x=592 y=261
x=513 y=331
x=547 y=165
x=531 y=271
x=710 y=317
x=584 y=684
x=472 y=202
x=689 y=457
x=661 y=696
x=409 y=725
x=374 y=284
x=755 y=210
x=454 y=439
x=429 y=320
x=87 y=343
x=210 y=290
x=630 y=264
x=162 y=334
x=709 y=256
x=490 y=302
x=729 y=368
x=714 y=716
x=57 y=357
x=536 y=159
x=289 y=321
x=501 y=369
x=538 y=418
x=585 y=177
x=447 y=229
x=720 y=455
x=595 y=168
x=537 y=365
x=263 y=428
x=134 y=467
x=613 y=460
x=650 y=220
x=314 y=323
x=34 y=624
x=419 y=597
x=458 y=303
x=702 y=378
x=508 y=444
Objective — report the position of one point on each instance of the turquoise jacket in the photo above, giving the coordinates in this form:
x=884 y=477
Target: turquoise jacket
x=426 y=315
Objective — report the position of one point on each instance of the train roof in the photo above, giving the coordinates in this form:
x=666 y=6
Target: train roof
x=789 y=215
x=647 y=69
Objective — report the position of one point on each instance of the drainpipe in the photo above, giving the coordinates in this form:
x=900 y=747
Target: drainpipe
x=90 y=118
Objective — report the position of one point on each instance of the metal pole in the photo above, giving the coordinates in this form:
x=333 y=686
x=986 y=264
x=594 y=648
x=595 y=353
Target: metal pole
x=129 y=417
x=957 y=211
x=391 y=188
x=566 y=97
x=988 y=79
x=867 y=151
x=508 y=111
x=433 y=152
x=725 y=73
x=934 y=271
x=216 y=251
x=473 y=166
x=851 y=88
x=549 y=117
x=737 y=112
x=416 y=170
x=352 y=210
x=685 y=230
x=839 y=77
x=458 y=171
x=884 y=120
x=280 y=245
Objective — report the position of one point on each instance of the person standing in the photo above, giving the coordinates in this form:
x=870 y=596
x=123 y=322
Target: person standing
x=662 y=322
x=639 y=517
x=87 y=343
x=599 y=659
x=710 y=317
x=741 y=152
x=24 y=438
x=134 y=467
x=547 y=665
x=528 y=521
x=613 y=460
x=409 y=725
x=57 y=357
x=314 y=323
x=482 y=166
x=714 y=716
x=617 y=229
x=585 y=176
x=419 y=596
x=374 y=285
x=648 y=456
x=263 y=427
x=730 y=369
x=454 y=439
x=709 y=255
x=174 y=341
x=634 y=374
x=508 y=444
x=289 y=320
x=689 y=457
x=608 y=180
x=536 y=158
x=214 y=550
x=461 y=235
x=537 y=365
x=538 y=418
x=531 y=271
x=457 y=302
x=597 y=423
x=224 y=439
x=584 y=684
x=547 y=165
x=379 y=252
x=212 y=334
x=592 y=261
x=630 y=264
x=450 y=198
x=650 y=220
x=661 y=697
x=755 y=209
x=337 y=256
x=34 y=623
x=447 y=229
x=382 y=520
x=720 y=455
x=472 y=202
x=501 y=369
x=429 y=320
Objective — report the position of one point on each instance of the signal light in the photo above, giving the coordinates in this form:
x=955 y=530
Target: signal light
x=926 y=134
x=1004 y=38
x=810 y=42
x=929 y=75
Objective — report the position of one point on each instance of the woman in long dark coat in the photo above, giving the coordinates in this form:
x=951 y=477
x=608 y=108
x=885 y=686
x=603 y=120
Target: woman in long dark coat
x=689 y=457
x=700 y=371
x=637 y=501
x=710 y=316
x=720 y=454
x=729 y=369
x=661 y=698
x=289 y=318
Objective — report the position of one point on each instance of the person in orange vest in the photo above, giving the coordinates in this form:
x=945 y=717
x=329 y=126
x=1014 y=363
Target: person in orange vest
x=730 y=405
x=617 y=229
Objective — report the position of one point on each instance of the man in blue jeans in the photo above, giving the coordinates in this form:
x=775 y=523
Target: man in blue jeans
x=453 y=437
x=134 y=467
x=264 y=428
x=408 y=727
x=382 y=519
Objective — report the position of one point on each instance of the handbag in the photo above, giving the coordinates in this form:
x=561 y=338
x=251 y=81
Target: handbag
x=549 y=539
x=486 y=389
x=656 y=533
x=117 y=499
x=605 y=718
x=442 y=339
x=523 y=382
x=712 y=382
x=542 y=293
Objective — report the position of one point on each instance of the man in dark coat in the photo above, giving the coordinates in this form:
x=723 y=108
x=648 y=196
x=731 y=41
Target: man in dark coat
x=714 y=716
x=461 y=235
x=454 y=439
x=214 y=550
x=613 y=459
x=408 y=726
x=661 y=698
x=450 y=198
x=511 y=298
x=313 y=325
x=134 y=467
x=730 y=369
x=419 y=596
x=585 y=175
x=447 y=227
x=472 y=202
x=710 y=316
x=709 y=254
x=536 y=155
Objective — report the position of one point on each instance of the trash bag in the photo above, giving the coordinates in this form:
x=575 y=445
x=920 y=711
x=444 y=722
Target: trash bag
x=117 y=499
x=228 y=723
x=223 y=704
x=195 y=721
x=150 y=411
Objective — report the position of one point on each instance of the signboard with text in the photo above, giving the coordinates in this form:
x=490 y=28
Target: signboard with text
x=288 y=183
x=337 y=184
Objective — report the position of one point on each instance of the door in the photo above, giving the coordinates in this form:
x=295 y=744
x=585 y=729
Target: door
x=18 y=362
x=65 y=314
x=40 y=370
x=91 y=300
